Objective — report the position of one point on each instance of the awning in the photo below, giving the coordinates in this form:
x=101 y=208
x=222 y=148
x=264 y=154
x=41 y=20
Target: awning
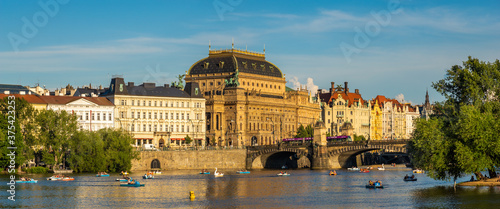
x=177 y=139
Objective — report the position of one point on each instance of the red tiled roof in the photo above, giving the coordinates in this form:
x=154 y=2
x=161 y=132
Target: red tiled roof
x=32 y=99
x=351 y=97
x=66 y=99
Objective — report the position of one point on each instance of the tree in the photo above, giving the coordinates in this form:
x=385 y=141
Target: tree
x=55 y=130
x=305 y=132
x=359 y=138
x=118 y=150
x=463 y=136
x=188 y=139
x=87 y=152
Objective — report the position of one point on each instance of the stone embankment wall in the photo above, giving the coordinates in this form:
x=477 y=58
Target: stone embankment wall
x=209 y=159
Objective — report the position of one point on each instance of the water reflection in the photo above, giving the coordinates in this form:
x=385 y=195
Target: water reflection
x=261 y=188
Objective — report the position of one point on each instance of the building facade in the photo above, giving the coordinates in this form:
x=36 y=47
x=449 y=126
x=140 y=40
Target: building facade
x=158 y=115
x=392 y=119
x=342 y=110
x=92 y=113
x=247 y=102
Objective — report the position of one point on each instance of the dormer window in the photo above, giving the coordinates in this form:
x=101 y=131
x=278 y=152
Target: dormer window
x=263 y=67
x=244 y=65
x=206 y=65
x=254 y=66
x=271 y=68
x=221 y=64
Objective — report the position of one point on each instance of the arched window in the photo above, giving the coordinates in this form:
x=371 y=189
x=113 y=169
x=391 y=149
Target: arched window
x=155 y=164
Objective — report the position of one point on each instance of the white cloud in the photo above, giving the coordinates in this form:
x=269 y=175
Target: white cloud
x=311 y=87
x=400 y=98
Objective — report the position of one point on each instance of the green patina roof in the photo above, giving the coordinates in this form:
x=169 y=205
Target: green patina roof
x=288 y=89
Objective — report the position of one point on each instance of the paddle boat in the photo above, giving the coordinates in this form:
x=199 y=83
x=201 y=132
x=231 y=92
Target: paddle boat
x=132 y=184
x=126 y=178
x=353 y=169
x=409 y=178
x=156 y=172
x=364 y=171
x=54 y=178
x=243 y=171
x=124 y=173
x=418 y=171
x=333 y=173
x=204 y=171
x=283 y=174
x=102 y=174
x=374 y=185
x=150 y=176
x=67 y=178
x=26 y=180
x=218 y=174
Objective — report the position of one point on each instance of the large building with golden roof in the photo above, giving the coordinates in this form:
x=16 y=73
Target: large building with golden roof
x=247 y=102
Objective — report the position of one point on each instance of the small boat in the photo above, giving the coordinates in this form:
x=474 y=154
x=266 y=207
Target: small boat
x=333 y=173
x=381 y=169
x=148 y=176
x=102 y=175
x=409 y=178
x=54 y=178
x=283 y=174
x=217 y=174
x=67 y=179
x=136 y=184
x=156 y=172
x=374 y=186
x=205 y=172
x=27 y=181
x=243 y=172
x=353 y=169
x=124 y=173
x=124 y=179
x=364 y=171
x=418 y=171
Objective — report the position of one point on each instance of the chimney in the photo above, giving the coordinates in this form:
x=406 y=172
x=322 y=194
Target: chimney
x=130 y=84
x=332 y=89
x=166 y=85
x=356 y=91
x=345 y=87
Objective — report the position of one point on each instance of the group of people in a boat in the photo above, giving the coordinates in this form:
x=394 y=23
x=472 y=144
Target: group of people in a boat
x=242 y=170
x=283 y=173
x=102 y=173
x=25 y=179
x=409 y=177
x=204 y=170
x=333 y=172
x=371 y=183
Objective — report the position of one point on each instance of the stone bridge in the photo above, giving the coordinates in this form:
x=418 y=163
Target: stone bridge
x=336 y=154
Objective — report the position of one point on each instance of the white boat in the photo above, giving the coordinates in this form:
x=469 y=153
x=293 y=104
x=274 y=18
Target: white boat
x=353 y=169
x=381 y=168
x=283 y=174
x=218 y=174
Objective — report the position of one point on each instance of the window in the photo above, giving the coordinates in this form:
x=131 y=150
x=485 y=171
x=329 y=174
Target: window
x=211 y=83
x=144 y=103
x=109 y=116
x=98 y=116
x=149 y=103
x=187 y=116
x=328 y=114
x=122 y=102
x=182 y=128
x=176 y=128
x=155 y=128
x=182 y=104
x=155 y=103
x=187 y=104
x=161 y=115
x=133 y=102
x=177 y=104
x=138 y=102
x=156 y=116
x=86 y=116
x=187 y=128
x=161 y=103
x=171 y=116
x=171 y=128
x=218 y=83
x=132 y=127
x=177 y=116
x=132 y=114
x=171 y=104
x=182 y=116
x=144 y=128
x=144 y=115
x=149 y=114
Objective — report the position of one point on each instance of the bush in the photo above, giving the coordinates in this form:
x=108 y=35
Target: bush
x=37 y=170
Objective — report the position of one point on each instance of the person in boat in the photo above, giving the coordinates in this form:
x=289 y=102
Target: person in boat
x=412 y=176
x=379 y=182
x=370 y=182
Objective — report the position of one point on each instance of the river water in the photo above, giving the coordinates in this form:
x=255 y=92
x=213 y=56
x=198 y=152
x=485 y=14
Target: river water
x=260 y=189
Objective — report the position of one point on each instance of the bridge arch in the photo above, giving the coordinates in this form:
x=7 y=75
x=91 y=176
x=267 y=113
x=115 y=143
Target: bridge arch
x=155 y=164
x=274 y=158
x=345 y=157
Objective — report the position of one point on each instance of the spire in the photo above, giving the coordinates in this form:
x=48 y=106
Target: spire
x=209 y=45
x=232 y=47
x=264 y=48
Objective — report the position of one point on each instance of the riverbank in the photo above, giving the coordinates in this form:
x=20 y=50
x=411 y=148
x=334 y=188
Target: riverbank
x=487 y=182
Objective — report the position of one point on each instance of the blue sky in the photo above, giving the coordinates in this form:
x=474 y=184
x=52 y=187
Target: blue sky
x=403 y=52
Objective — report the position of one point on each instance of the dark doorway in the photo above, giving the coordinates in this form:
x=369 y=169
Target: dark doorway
x=155 y=164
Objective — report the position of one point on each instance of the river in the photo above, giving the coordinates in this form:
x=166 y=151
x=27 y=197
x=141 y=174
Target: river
x=260 y=189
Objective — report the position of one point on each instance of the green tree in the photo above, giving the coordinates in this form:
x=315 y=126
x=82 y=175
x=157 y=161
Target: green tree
x=55 y=130
x=188 y=139
x=359 y=138
x=118 y=150
x=462 y=137
x=87 y=152
x=303 y=132
x=17 y=114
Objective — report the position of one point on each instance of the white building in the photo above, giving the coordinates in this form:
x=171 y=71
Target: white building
x=93 y=113
x=159 y=115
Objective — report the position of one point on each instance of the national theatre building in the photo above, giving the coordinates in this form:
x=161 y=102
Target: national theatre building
x=247 y=102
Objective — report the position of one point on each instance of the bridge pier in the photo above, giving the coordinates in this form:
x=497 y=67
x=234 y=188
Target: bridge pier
x=320 y=149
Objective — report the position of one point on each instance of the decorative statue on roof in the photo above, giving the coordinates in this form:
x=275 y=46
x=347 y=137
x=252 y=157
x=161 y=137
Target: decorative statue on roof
x=179 y=84
x=233 y=81
x=339 y=88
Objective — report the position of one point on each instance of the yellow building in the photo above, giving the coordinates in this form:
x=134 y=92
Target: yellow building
x=375 y=121
x=247 y=102
x=342 y=110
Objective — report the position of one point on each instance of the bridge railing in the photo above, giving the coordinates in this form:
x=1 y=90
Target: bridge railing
x=191 y=148
x=373 y=142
